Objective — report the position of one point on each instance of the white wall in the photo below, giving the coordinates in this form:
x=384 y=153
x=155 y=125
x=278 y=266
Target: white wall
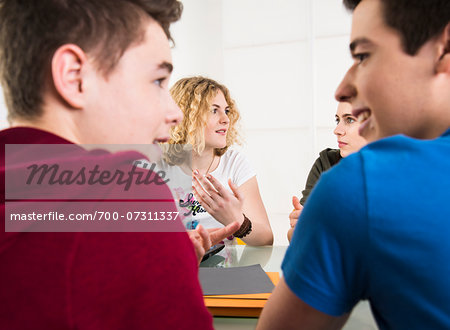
x=282 y=61
x=198 y=40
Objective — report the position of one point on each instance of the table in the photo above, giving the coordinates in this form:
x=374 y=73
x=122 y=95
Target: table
x=270 y=258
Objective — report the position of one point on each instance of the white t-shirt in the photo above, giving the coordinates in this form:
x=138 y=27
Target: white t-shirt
x=232 y=165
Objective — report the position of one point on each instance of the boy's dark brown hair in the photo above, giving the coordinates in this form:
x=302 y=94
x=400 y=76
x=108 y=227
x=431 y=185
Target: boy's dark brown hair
x=417 y=21
x=32 y=30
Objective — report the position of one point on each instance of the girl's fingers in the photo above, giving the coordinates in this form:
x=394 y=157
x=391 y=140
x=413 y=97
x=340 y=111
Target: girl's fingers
x=202 y=196
x=235 y=190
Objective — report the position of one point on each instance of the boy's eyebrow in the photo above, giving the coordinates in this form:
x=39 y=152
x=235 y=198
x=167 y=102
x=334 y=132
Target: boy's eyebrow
x=167 y=66
x=359 y=42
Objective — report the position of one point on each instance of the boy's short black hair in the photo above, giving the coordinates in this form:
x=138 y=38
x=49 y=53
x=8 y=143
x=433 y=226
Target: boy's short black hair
x=417 y=21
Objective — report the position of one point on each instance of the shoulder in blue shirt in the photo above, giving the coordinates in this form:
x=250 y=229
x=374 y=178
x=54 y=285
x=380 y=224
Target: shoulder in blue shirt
x=376 y=227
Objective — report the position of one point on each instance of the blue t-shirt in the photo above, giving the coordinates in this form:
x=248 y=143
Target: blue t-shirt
x=377 y=227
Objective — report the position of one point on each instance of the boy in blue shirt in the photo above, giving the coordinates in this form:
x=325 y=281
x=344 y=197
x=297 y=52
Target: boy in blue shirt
x=376 y=226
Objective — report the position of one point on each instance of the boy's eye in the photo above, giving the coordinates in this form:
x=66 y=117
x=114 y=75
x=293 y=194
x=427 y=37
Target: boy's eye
x=360 y=57
x=350 y=120
x=159 y=81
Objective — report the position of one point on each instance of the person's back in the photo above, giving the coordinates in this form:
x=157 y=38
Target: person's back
x=408 y=222
x=92 y=280
x=100 y=281
x=389 y=226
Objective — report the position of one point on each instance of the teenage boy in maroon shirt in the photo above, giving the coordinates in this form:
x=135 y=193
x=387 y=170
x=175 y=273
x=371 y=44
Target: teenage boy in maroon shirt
x=93 y=72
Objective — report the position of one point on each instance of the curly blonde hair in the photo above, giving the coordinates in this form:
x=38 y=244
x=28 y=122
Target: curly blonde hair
x=194 y=96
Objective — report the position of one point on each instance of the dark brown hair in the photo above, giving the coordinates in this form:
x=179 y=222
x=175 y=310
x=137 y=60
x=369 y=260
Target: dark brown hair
x=32 y=30
x=417 y=20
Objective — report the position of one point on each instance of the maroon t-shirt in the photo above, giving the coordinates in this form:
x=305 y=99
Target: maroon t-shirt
x=75 y=280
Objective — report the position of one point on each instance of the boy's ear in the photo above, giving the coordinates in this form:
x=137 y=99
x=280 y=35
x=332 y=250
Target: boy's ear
x=443 y=63
x=67 y=73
